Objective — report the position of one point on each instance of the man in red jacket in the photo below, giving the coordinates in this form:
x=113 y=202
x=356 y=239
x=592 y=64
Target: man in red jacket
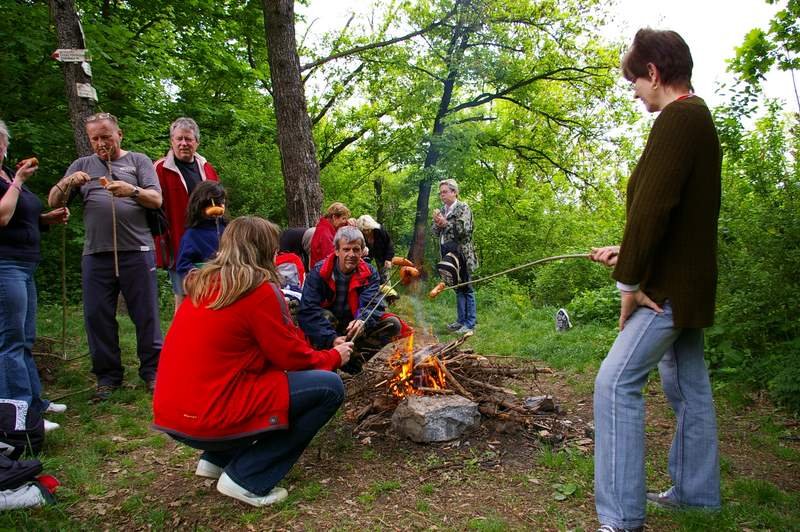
x=178 y=173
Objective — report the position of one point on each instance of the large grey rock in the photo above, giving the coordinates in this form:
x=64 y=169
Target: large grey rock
x=435 y=418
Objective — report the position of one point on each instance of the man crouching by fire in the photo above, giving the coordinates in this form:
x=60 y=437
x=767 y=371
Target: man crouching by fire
x=342 y=301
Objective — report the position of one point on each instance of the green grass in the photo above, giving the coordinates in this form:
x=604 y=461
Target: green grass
x=99 y=452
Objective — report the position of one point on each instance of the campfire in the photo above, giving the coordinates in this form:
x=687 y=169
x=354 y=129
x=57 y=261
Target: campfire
x=434 y=387
x=412 y=377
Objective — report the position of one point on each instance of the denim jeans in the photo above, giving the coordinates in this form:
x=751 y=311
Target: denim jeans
x=467 y=308
x=257 y=463
x=649 y=339
x=19 y=378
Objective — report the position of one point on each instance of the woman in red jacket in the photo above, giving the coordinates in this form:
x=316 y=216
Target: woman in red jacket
x=236 y=378
x=335 y=217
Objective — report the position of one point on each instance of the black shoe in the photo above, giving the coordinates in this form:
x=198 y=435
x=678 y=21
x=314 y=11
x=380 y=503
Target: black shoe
x=103 y=393
x=151 y=386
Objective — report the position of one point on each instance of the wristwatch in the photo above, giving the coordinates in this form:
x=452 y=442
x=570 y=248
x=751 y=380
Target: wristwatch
x=135 y=193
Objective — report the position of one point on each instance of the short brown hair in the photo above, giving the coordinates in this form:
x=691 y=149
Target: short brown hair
x=663 y=48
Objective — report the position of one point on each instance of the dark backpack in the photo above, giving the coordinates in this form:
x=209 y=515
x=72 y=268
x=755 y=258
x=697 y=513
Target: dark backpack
x=453 y=267
x=21 y=429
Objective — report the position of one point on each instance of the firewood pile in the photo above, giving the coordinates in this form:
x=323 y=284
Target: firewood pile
x=506 y=390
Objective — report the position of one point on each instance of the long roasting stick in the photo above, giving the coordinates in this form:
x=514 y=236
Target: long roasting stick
x=504 y=272
x=113 y=219
x=65 y=196
x=381 y=297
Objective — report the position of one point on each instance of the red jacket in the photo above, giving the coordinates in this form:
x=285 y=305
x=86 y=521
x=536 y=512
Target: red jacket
x=175 y=200
x=222 y=373
x=319 y=292
x=322 y=242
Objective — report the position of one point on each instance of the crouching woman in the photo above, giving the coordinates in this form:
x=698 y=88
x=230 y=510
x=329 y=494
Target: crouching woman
x=236 y=378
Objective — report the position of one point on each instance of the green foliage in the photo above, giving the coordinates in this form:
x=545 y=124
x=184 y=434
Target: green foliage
x=557 y=283
x=756 y=336
x=598 y=305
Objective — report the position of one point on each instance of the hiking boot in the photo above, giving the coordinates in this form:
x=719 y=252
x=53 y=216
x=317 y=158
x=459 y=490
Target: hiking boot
x=227 y=486
x=663 y=500
x=464 y=330
x=609 y=528
x=103 y=393
x=151 y=386
x=454 y=326
x=207 y=469
x=56 y=408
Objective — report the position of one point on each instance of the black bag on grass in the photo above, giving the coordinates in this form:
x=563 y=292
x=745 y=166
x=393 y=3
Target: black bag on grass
x=21 y=429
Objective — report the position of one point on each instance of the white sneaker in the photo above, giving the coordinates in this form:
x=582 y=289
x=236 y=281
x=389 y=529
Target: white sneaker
x=227 y=486
x=207 y=469
x=56 y=408
x=49 y=426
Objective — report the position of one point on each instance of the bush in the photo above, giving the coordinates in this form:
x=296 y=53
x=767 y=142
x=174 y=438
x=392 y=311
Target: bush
x=599 y=304
x=557 y=283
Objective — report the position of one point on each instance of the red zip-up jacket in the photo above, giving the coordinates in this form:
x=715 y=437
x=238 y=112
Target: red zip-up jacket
x=222 y=373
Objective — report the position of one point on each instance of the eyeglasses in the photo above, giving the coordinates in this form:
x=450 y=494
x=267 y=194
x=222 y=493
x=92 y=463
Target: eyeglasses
x=101 y=116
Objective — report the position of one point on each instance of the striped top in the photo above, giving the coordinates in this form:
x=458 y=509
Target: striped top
x=670 y=242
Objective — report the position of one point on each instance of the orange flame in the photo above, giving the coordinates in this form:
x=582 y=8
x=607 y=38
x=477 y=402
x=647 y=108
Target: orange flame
x=408 y=378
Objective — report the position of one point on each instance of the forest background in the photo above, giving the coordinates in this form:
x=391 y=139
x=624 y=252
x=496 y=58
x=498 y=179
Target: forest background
x=521 y=101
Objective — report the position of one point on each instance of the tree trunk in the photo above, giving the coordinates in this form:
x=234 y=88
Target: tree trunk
x=416 y=252
x=298 y=153
x=380 y=209
x=70 y=35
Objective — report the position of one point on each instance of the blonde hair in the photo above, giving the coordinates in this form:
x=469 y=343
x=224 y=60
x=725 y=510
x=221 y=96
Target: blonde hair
x=244 y=261
x=366 y=222
x=449 y=183
x=337 y=209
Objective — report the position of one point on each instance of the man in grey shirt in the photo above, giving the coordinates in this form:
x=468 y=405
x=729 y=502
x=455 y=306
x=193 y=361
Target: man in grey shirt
x=117 y=186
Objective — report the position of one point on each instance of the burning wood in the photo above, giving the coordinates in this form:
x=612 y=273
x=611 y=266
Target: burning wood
x=404 y=371
x=416 y=374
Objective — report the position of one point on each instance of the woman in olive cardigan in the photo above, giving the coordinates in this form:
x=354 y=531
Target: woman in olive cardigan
x=667 y=274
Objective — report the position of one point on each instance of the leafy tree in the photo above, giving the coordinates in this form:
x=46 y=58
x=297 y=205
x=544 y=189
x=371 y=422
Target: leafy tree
x=757 y=331
x=778 y=46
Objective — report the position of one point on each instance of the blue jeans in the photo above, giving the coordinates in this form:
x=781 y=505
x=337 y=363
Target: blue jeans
x=19 y=378
x=257 y=463
x=649 y=339
x=467 y=308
